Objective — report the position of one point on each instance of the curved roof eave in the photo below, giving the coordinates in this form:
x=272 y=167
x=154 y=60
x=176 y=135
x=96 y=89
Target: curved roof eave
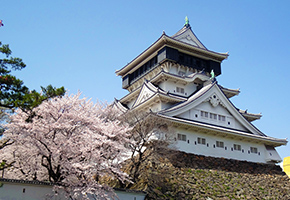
x=129 y=95
x=163 y=40
x=251 y=116
x=119 y=106
x=230 y=92
x=205 y=52
x=151 y=49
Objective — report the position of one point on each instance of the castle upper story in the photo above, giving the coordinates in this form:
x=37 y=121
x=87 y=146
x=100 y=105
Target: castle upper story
x=180 y=56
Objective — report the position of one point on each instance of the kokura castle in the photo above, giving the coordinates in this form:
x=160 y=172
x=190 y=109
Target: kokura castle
x=175 y=79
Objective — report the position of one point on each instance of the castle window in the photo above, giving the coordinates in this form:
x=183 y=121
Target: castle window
x=222 y=118
x=220 y=144
x=213 y=116
x=181 y=137
x=180 y=90
x=204 y=114
x=142 y=70
x=254 y=150
x=237 y=147
x=201 y=141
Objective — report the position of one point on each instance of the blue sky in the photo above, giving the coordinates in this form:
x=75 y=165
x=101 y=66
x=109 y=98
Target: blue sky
x=80 y=44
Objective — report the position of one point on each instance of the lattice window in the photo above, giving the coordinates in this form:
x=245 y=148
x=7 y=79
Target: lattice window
x=181 y=137
x=180 y=90
x=237 y=147
x=201 y=141
x=254 y=150
x=220 y=144
x=222 y=118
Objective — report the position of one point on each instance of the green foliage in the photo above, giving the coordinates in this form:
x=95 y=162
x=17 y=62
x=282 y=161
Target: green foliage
x=2 y=164
x=32 y=99
x=199 y=171
x=13 y=93
x=158 y=188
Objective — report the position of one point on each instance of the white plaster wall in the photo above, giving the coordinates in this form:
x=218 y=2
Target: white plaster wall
x=186 y=115
x=189 y=146
x=169 y=86
x=130 y=196
x=272 y=154
x=194 y=114
x=14 y=191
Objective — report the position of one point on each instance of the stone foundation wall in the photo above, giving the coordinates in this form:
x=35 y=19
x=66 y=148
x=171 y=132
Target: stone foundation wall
x=178 y=175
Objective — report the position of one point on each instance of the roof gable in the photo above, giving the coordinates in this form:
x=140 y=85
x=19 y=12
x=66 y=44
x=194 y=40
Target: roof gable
x=186 y=35
x=147 y=91
x=212 y=100
x=216 y=115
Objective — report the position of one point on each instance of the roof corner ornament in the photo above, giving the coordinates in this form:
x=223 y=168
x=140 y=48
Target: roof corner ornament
x=212 y=76
x=186 y=21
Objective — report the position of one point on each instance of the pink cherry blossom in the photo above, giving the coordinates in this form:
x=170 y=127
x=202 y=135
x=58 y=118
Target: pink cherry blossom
x=71 y=141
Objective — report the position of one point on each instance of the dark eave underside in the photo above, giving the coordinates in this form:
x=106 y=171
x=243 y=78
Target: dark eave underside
x=165 y=40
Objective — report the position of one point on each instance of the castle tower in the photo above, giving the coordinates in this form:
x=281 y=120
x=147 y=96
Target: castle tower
x=175 y=78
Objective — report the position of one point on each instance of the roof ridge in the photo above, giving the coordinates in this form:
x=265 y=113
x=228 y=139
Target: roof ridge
x=185 y=34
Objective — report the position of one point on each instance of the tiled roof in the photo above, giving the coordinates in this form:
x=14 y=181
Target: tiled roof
x=34 y=182
x=186 y=34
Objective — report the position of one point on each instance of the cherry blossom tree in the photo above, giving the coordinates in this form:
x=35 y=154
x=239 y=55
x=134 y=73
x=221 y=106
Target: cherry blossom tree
x=149 y=135
x=71 y=142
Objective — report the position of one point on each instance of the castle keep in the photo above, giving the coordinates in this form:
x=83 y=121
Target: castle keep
x=175 y=78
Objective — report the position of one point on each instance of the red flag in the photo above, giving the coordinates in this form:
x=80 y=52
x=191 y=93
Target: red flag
x=1 y=23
